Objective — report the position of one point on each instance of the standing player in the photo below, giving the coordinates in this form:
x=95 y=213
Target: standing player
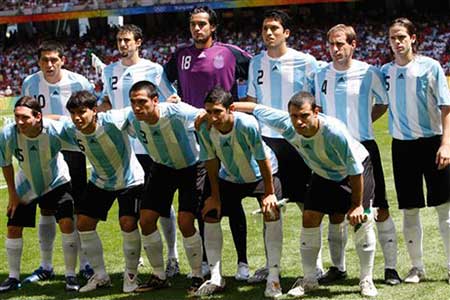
x=239 y=165
x=43 y=179
x=342 y=182
x=116 y=173
x=274 y=76
x=198 y=69
x=117 y=79
x=353 y=92
x=52 y=87
x=419 y=122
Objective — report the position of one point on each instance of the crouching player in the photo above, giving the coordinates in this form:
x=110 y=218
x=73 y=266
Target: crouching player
x=245 y=169
x=43 y=179
x=342 y=182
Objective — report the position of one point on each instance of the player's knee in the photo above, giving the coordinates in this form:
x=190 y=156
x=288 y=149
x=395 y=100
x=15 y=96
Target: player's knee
x=337 y=218
x=382 y=214
x=14 y=232
x=66 y=225
x=311 y=219
x=85 y=223
x=186 y=223
x=128 y=224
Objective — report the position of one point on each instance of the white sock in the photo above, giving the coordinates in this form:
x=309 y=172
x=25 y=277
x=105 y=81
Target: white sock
x=443 y=212
x=337 y=240
x=412 y=231
x=47 y=235
x=14 y=252
x=169 y=229
x=83 y=259
x=91 y=245
x=274 y=243
x=310 y=244
x=365 y=243
x=319 y=263
x=131 y=250
x=213 y=247
x=70 y=251
x=194 y=252
x=154 y=248
x=387 y=236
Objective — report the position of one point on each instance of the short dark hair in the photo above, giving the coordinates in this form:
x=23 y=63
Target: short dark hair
x=220 y=96
x=51 y=45
x=29 y=102
x=145 y=85
x=134 y=29
x=280 y=16
x=300 y=98
x=410 y=28
x=81 y=99
x=205 y=9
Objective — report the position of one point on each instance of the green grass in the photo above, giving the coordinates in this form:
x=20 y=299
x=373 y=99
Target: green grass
x=433 y=288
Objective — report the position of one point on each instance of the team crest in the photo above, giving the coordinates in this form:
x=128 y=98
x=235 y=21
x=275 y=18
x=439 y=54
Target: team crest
x=218 y=62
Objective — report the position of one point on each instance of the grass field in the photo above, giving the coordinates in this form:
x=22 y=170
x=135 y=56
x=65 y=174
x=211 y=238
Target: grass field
x=433 y=288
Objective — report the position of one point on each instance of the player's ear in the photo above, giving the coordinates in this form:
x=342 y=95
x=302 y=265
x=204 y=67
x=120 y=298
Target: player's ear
x=138 y=42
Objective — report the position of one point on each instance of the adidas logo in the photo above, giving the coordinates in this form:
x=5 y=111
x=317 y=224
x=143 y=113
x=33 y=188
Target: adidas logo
x=128 y=75
x=401 y=76
x=55 y=93
x=341 y=79
x=155 y=133
x=274 y=68
x=33 y=148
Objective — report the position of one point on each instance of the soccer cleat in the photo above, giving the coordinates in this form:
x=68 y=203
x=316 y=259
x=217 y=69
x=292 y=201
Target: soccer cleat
x=38 y=275
x=259 y=276
x=130 y=282
x=333 y=274
x=10 y=284
x=242 y=273
x=205 y=271
x=196 y=283
x=87 y=272
x=72 y=284
x=391 y=277
x=96 y=282
x=273 y=289
x=368 y=289
x=153 y=283
x=172 y=268
x=415 y=275
x=301 y=286
x=208 y=288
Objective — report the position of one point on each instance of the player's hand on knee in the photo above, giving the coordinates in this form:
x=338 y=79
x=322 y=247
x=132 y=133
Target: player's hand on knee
x=212 y=204
x=356 y=215
x=269 y=206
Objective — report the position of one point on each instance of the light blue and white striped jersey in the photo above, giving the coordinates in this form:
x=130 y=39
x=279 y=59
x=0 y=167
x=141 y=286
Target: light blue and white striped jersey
x=41 y=166
x=114 y=164
x=237 y=150
x=415 y=93
x=349 y=96
x=53 y=97
x=171 y=141
x=273 y=81
x=331 y=153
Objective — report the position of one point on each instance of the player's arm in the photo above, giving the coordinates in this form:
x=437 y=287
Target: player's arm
x=249 y=99
x=443 y=153
x=378 y=110
x=269 y=200
x=13 y=198
x=355 y=214
x=213 y=201
x=105 y=105
x=246 y=107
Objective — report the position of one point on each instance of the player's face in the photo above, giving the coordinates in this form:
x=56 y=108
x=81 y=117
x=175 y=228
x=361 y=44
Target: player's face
x=219 y=117
x=201 y=30
x=144 y=106
x=51 y=63
x=400 y=41
x=273 y=33
x=27 y=123
x=304 y=119
x=340 y=50
x=84 y=119
x=127 y=45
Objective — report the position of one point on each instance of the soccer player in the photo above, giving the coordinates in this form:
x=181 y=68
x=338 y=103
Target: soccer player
x=354 y=92
x=342 y=182
x=239 y=165
x=52 y=87
x=197 y=69
x=43 y=179
x=166 y=130
x=116 y=173
x=419 y=122
x=117 y=79
x=274 y=76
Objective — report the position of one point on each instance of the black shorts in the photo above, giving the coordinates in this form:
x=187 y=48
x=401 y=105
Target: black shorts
x=412 y=161
x=164 y=181
x=333 y=197
x=97 y=202
x=146 y=162
x=59 y=200
x=76 y=161
x=292 y=170
x=231 y=194
x=380 y=186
